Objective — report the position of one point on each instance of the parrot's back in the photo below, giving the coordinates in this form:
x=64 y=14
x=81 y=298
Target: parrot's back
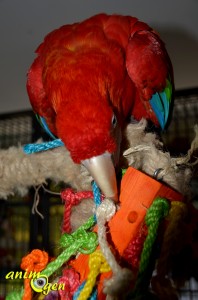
x=78 y=62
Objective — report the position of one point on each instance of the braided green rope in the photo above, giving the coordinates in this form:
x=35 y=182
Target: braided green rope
x=79 y=241
x=123 y=172
x=15 y=295
x=157 y=211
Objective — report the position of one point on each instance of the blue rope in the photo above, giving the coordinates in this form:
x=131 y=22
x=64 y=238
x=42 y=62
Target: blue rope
x=34 y=148
x=96 y=193
x=77 y=293
x=97 y=196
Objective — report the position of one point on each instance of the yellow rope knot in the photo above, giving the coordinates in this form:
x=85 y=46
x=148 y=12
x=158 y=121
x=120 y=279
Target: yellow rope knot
x=97 y=265
x=178 y=208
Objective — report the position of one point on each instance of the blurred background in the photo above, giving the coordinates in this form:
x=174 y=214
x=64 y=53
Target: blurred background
x=23 y=25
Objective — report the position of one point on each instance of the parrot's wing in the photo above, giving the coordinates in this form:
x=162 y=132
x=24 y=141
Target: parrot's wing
x=44 y=125
x=35 y=88
x=149 y=67
x=161 y=102
x=44 y=112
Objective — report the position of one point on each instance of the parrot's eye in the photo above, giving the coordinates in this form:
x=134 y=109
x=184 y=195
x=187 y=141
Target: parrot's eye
x=114 y=121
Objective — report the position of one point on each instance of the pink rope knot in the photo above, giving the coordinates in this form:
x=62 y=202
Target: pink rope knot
x=71 y=198
x=71 y=280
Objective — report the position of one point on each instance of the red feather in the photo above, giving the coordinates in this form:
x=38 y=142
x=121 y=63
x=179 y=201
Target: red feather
x=86 y=72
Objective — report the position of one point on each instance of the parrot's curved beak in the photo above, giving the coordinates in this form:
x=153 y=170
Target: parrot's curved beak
x=102 y=170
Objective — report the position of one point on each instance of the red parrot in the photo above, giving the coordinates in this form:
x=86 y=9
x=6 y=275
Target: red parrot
x=88 y=79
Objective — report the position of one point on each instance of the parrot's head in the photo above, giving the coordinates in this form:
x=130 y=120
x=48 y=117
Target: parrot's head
x=92 y=135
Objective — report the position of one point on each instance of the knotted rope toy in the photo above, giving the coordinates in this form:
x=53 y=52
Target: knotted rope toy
x=113 y=230
x=100 y=267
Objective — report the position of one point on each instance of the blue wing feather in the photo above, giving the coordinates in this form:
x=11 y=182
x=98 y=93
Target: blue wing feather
x=45 y=126
x=160 y=103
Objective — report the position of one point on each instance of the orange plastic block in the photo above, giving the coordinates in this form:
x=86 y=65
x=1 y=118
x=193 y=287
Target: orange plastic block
x=138 y=191
x=137 y=194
